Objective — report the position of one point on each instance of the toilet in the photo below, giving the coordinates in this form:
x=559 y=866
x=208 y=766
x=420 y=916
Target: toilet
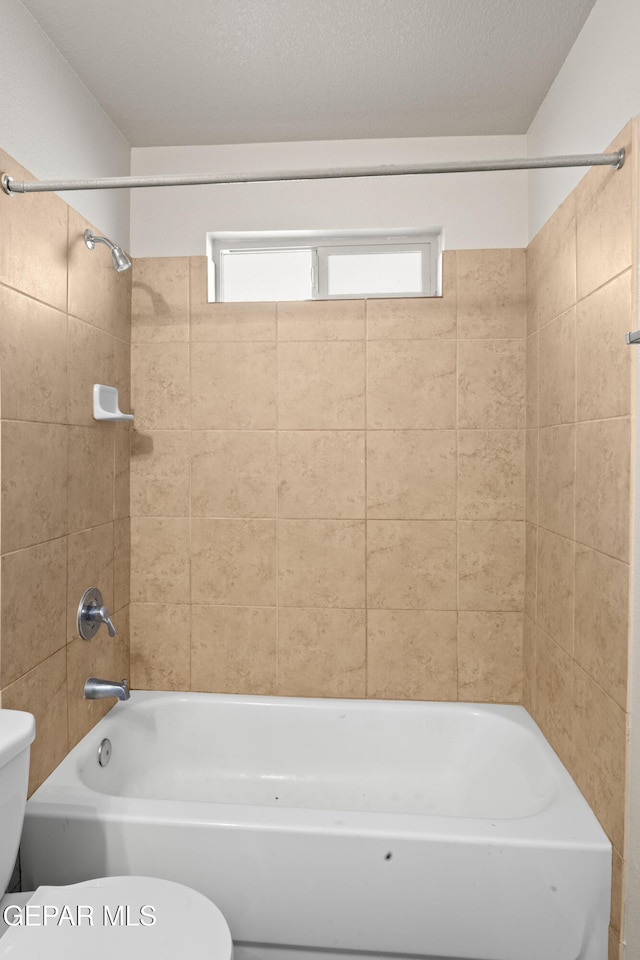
x=139 y=917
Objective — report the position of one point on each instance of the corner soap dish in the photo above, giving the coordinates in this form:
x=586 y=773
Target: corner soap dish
x=105 y=404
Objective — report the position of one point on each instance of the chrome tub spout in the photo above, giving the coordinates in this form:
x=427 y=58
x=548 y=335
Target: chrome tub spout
x=95 y=689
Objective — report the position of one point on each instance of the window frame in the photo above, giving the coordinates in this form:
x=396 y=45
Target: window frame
x=322 y=244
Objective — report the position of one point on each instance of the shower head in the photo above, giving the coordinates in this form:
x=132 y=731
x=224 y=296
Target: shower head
x=120 y=259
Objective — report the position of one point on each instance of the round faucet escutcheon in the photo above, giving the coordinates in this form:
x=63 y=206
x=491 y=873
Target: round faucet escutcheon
x=91 y=613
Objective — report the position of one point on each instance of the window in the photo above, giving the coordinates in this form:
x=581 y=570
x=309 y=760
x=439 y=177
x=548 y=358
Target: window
x=300 y=266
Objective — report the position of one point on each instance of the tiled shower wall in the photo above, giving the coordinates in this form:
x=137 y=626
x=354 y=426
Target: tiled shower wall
x=64 y=324
x=581 y=279
x=327 y=498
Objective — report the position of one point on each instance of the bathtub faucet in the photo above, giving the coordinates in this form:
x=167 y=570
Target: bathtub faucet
x=95 y=689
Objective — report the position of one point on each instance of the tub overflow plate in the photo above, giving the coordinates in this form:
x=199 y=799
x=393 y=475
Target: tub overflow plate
x=104 y=752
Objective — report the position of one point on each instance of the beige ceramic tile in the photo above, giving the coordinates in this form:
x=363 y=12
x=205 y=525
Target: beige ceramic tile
x=617 y=891
x=160 y=473
x=491 y=294
x=321 y=473
x=599 y=768
x=33 y=359
x=233 y=386
x=603 y=450
x=97 y=293
x=321 y=563
x=34 y=588
x=160 y=560
x=412 y=654
x=160 y=386
x=121 y=658
x=531 y=570
x=614 y=945
x=34 y=500
x=87 y=659
x=233 y=562
x=491 y=467
x=491 y=384
x=531 y=476
x=532 y=370
x=530 y=666
x=321 y=385
x=411 y=385
x=604 y=359
x=122 y=316
x=557 y=374
x=321 y=653
x=411 y=474
x=233 y=473
x=417 y=318
x=122 y=372
x=122 y=469
x=554 y=696
x=491 y=556
x=121 y=563
x=226 y=321
x=605 y=217
x=160 y=646
x=91 y=478
x=411 y=564
x=88 y=341
x=33 y=246
x=490 y=657
x=160 y=299
x=233 y=650
x=556 y=479
x=90 y=564
x=551 y=267
x=555 y=587
x=321 y=320
x=412 y=318
x=602 y=620
x=43 y=692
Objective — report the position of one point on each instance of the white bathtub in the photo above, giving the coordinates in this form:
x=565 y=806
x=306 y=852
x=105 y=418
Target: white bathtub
x=436 y=830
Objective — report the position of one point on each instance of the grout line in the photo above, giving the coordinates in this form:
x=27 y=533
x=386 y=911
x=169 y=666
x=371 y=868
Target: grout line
x=291 y=606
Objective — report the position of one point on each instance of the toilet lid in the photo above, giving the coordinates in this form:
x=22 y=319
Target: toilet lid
x=128 y=917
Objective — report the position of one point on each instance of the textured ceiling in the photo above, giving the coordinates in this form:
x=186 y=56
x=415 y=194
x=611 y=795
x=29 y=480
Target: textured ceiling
x=241 y=71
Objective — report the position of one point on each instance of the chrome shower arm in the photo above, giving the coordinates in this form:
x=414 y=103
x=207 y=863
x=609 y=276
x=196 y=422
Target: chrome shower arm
x=120 y=259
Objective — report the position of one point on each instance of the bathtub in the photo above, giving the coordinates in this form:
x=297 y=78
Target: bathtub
x=439 y=830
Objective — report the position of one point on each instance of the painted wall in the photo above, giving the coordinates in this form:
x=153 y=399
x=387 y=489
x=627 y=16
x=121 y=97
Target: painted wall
x=482 y=210
x=52 y=124
x=595 y=94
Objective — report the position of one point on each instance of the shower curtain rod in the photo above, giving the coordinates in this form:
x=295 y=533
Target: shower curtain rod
x=11 y=186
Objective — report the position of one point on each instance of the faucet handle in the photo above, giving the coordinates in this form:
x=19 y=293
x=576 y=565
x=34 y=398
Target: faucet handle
x=91 y=613
x=101 y=615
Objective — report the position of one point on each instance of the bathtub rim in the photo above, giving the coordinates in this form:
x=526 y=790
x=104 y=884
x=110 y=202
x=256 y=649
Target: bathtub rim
x=567 y=822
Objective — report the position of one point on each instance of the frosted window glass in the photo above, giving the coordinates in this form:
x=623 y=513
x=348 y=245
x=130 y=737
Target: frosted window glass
x=371 y=273
x=267 y=275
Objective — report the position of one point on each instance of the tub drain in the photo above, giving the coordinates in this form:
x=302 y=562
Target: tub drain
x=104 y=752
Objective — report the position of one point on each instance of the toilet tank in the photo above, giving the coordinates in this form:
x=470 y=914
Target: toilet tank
x=17 y=730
